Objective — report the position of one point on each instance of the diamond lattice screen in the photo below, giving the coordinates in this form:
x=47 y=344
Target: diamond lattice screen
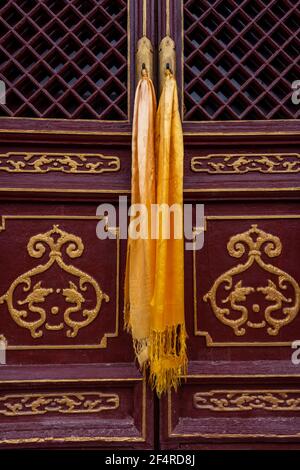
x=241 y=58
x=64 y=58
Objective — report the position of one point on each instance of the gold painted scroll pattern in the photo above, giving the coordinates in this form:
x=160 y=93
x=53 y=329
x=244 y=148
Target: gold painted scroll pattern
x=247 y=400
x=67 y=403
x=231 y=309
x=36 y=292
x=45 y=162
x=241 y=163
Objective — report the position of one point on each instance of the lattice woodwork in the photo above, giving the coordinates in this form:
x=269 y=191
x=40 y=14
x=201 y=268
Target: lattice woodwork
x=241 y=58
x=64 y=58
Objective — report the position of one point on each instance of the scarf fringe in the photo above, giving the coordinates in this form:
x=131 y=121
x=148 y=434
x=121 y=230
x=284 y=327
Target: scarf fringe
x=167 y=358
x=164 y=353
x=141 y=349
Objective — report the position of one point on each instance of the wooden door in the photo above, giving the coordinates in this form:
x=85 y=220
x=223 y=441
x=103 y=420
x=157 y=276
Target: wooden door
x=65 y=147
x=70 y=378
x=242 y=287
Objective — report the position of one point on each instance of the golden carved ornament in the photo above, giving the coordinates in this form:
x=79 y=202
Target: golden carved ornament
x=167 y=56
x=231 y=309
x=45 y=162
x=240 y=163
x=144 y=56
x=66 y=403
x=36 y=293
x=247 y=400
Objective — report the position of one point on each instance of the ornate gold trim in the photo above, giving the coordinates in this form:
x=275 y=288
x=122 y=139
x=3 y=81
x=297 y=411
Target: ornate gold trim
x=45 y=162
x=49 y=440
x=175 y=435
x=253 y=217
x=128 y=191
x=45 y=381
x=247 y=400
x=115 y=334
x=241 y=163
x=256 y=243
x=142 y=438
x=239 y=376
x=4 y=218
x=126 y=133
x=197 y=332
x=67 y=190
x=242 y=133
x=65 y=132
x=238 y=190
x=103 y=342
x=55 y=240
x=14 y=405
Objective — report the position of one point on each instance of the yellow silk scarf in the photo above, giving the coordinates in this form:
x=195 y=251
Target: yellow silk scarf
x=167 y=344
x=140 y=265
x=154 y=281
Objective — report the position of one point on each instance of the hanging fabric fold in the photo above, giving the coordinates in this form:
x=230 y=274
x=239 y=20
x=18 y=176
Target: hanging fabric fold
x=140 y=264
x=167 y=342
x=154 y=280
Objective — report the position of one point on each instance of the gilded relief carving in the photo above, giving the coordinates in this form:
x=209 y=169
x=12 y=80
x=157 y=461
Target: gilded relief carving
x=29 y=296
x=277 y=309
x=247 y=400
x=244 y=163
x=39 y=404
x=35 y=162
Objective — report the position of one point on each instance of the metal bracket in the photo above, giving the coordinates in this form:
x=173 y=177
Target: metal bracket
x=167 y=59
x=144 y=58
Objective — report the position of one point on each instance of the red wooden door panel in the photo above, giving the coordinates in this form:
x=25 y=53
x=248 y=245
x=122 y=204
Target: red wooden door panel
x=242 y=298
x=242 y=287
x=70 y=378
